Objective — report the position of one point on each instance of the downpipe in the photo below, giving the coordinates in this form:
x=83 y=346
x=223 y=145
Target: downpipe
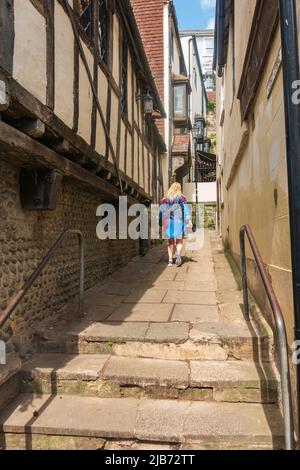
x=291 y=74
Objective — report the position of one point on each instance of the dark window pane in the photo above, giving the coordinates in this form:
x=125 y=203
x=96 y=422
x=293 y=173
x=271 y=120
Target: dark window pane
x=86 y=17
x=124 y=87
x=103 y=30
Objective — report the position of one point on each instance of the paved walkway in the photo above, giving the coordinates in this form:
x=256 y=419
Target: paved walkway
x=163 y=355
x=202 y=289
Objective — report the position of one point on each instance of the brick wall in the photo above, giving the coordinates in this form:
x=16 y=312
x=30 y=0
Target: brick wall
x=149 y=16
x=25 y=238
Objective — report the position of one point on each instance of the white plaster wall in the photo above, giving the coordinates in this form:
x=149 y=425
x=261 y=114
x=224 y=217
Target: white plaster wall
x=30 y=52
x=64 y=66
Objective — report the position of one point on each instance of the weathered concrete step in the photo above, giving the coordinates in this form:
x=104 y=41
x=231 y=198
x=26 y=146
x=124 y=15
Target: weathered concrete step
x=164 y=421
x=113 y=376
x=9 y=381
x=173 y=340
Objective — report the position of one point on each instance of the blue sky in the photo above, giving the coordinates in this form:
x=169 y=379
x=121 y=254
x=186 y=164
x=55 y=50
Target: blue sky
x=195 y=14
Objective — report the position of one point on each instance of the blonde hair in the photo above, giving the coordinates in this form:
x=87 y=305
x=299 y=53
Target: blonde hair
x=174 y=192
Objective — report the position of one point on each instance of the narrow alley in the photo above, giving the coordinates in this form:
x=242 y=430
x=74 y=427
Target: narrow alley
x=163 y=360
x=131 y=131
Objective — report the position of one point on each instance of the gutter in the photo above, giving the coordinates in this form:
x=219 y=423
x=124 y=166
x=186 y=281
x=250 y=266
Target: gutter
x=219 y=57
x=291 y=73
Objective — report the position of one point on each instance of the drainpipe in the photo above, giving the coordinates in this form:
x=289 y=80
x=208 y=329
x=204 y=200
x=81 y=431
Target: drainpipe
x=170 y=98
x=291 y=73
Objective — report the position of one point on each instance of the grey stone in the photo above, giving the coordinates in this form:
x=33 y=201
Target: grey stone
x=147 y=372
x=168 y=332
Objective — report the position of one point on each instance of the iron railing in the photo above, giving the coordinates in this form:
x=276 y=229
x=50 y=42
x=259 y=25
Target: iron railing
x=280 y=329
x=16 y=299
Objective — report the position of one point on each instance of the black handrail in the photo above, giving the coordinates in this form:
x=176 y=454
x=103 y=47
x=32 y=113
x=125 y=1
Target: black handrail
x=16 y=299
x=281 y=335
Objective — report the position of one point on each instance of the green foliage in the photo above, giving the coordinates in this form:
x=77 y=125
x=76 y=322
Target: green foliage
x=211 y=107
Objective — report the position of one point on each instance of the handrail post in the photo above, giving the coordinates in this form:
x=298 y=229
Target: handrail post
x=286 y=390
x=244 y=274
x=81 y=279
x=281 y=335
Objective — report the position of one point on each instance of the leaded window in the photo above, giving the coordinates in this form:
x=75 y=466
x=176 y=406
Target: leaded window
x=124 y=77
x=86 y=17
x=103 y=30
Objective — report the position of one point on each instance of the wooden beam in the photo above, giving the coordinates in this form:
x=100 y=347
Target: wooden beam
x=27 y=151
x=50 y=55
x=95 y=72
x=7 y=34
x=35 y=128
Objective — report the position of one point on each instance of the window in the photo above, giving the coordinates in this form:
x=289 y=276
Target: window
x=124 y=77
x=180 y=101
x=195 y=79
x=86 y=13
x=86 y=17
x=209 y=47
x=103 y=30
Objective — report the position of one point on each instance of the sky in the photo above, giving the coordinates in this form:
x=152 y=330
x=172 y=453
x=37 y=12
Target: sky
x=195 y=14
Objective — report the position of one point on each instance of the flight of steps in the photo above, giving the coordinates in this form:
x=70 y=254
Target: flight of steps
x=145 y=385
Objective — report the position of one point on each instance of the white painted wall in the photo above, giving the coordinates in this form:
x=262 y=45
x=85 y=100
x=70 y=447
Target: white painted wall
x=207 y=192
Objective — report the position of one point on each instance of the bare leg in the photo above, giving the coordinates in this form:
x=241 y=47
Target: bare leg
x=171 y=249
x=179 y=246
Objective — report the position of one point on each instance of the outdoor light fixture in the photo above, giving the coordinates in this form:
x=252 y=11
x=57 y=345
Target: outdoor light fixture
x=198 y=129
x=206 y=145
x=147 y=103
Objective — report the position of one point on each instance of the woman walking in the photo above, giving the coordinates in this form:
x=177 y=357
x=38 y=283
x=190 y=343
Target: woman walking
x=175 y=219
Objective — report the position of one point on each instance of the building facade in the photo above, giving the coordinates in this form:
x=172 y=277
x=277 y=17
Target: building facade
x=158 y=26
x=251 y=144
x=76 y=130
x=205 y=43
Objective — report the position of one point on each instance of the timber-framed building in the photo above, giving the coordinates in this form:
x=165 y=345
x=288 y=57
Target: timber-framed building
x=74 y=84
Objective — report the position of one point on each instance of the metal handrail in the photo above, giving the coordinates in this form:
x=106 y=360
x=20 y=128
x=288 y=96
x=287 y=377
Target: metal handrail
x=281 y=334
x=16 y=299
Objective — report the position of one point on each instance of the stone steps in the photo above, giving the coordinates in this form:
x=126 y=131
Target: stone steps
x=115 y=376
x=213 y=341
x=79 y=421
x=9 y=379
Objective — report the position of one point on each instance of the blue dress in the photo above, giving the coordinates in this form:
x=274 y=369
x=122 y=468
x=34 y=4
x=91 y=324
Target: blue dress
x=174 y=215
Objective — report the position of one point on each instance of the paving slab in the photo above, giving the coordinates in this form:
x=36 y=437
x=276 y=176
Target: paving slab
x=146 y=296
x=161 y=420
x=66 y=366
x=233 y=374
x=203 y=277
x=232 y=423
x=190 y=298
x=72 y=415
x=199 y=286
x=147 y=372
x=115 y=332
x=142 y=312
x=168 y=332
x=195 y=313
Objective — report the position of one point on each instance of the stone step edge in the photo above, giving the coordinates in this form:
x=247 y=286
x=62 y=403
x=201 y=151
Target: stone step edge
x=33 y=371
x=18 y=441
x=144 y=420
